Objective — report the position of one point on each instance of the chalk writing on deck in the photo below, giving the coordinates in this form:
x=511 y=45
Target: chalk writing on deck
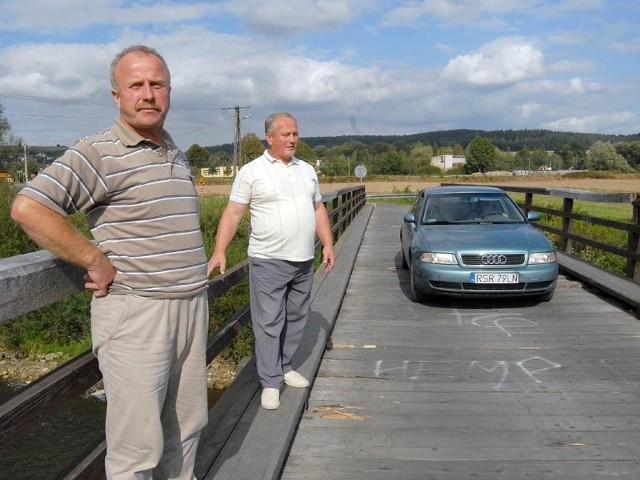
x=503 y=322
x=502 y=370
x=531 y=367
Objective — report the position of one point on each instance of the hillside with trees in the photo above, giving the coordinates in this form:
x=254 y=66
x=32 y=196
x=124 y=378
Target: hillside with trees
x=507 y=150
x=505 y=140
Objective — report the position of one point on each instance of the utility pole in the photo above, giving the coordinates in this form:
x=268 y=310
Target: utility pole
x=236 y=141
x=26 y=168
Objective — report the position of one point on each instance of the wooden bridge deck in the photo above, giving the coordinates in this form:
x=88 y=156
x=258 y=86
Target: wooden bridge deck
x=451 y=390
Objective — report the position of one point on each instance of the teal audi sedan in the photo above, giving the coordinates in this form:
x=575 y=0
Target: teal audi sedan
x=469 y=241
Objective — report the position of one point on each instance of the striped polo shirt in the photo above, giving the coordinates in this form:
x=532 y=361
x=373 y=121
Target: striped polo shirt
x=281 y=199
x=141 y=206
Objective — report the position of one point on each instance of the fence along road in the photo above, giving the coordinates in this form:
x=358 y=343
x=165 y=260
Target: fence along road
x=469 y=390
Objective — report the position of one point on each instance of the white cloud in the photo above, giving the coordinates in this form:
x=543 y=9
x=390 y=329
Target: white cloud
x=443 y=47
x=35 y=70
x=501 y=62
x=631 y=46
x=569 y=87
x=603 y=122
x=569 y=37
x=527 y=110
x=456 y=12
x=568 y=7
x=73 y=15
x=571 y=66
x=345 y=76
x=276 y=17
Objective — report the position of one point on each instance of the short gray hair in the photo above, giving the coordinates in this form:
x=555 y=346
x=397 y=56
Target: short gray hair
x=137 y=49
x=268 y=123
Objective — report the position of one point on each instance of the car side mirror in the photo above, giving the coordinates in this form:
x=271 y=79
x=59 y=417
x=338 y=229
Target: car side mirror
x=534 y=216
x=409 y=218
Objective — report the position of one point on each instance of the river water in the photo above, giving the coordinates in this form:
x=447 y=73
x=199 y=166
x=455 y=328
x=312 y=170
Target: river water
x=46 y=449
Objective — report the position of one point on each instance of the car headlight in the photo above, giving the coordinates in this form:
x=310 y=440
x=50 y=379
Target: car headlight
x=543 y=257
x=443 y=258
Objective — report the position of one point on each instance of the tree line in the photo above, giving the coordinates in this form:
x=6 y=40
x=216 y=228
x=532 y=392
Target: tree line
x=484 y=151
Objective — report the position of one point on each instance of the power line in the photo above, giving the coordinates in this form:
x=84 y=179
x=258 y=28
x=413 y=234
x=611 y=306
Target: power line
x=46 y=99
x=201 y=128
x=65 y=102
x=83 y=117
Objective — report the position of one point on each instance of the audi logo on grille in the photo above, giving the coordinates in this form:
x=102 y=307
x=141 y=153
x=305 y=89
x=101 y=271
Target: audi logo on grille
x=493 y=259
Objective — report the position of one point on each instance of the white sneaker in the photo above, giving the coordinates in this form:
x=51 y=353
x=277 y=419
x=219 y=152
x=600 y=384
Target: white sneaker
x=270 y=398
x=294 y=379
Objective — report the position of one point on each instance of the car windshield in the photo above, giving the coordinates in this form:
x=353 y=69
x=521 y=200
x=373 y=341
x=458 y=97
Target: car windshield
x=471 y=208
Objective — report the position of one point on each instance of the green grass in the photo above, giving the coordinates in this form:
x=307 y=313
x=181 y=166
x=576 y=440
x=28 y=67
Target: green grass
x=620 y=212
x=222 y=308
x=64 y=326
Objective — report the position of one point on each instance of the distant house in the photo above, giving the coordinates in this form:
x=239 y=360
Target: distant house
x=218 y=172
x=6 y=177
x=448 y=162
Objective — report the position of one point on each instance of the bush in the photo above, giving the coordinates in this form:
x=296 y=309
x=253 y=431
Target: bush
x=13 y=241
x=221 y=309
x=65 y=326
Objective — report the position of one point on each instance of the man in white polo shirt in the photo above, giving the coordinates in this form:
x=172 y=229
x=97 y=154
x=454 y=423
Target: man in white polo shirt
x=283 y=196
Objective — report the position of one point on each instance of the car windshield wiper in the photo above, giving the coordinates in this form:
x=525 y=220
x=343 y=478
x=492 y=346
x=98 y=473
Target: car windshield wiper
x=438 y=222
x=498 y=221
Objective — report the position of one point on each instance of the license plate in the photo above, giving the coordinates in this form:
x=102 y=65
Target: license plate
x=493 y=277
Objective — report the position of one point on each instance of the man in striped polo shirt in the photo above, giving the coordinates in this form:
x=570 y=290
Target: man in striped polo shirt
x=146 y=266
x=283 y=195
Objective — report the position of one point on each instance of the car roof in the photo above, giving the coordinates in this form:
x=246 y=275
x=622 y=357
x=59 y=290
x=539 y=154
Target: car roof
x=461 y=189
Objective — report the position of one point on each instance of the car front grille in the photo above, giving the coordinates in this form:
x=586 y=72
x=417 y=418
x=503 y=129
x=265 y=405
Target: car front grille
x=493 y=259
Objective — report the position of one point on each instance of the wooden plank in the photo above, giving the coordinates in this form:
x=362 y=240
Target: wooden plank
x=620 y=288
x=469 y=389
x=322 y=437
x=225 y=335
x=90 y=466
x=225 y=416
x=321 y=468
x=35 y=273
x=258 y=444
x=47 y=395
x=586 y=196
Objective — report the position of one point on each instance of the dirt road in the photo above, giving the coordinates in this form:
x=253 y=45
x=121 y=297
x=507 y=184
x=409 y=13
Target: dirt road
x=628 y=184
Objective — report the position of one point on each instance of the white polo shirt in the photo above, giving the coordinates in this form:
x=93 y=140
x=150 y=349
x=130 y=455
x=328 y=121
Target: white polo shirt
x=281 y=198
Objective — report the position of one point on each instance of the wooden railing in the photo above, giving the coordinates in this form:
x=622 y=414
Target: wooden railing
x=30 y=281
x=567 y=216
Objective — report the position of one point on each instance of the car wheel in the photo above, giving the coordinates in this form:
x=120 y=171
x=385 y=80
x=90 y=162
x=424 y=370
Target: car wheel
x=403 y=260
x=417 y=295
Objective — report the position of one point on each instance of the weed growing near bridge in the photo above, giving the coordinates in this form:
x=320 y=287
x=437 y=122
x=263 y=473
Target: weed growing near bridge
x=65 y=327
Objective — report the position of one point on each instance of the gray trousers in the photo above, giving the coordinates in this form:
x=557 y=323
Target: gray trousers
x=279 y=295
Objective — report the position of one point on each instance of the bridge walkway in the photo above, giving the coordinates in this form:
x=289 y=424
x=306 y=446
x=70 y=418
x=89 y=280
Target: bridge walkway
x=469 y=390
x=447 y=390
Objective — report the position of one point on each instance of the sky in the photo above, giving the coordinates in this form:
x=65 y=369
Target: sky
x=341 y=67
